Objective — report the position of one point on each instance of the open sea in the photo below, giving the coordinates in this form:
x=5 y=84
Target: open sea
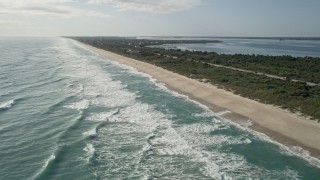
x=68 y=113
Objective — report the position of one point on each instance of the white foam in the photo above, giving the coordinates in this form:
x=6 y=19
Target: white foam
x=147 y=149
x=70 y=85
x=92 y=133
x=222 y=113
x=100 y=87
x=247 y=141
x=204 y=114
x=89 y=148
x=249 y=123
x=168 y=141
x=81 y=105
x=7 y=105
x=51 y=158
x=162 y=86
x=173 y=143
x=287 y=150
x=199 y=134
x=90 y=151
x=45 y=165
x=103 y=116
x=81 y=88
x=300 y=152
x=142 y=118
x=140 y=114
x=159 y=84
x=80 y=45
x=198 y=137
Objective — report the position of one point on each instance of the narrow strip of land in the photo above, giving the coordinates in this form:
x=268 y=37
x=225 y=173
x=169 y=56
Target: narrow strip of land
x=262 y=74
x=247 y=71
x=280 y=124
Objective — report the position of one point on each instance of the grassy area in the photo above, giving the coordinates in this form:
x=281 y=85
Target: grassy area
x=295 y=96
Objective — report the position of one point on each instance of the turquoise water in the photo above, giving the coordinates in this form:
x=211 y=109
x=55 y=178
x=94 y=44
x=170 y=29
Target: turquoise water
x=67 y=113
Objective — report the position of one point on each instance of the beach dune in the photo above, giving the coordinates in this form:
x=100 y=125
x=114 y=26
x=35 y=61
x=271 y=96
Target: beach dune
x=279 y=124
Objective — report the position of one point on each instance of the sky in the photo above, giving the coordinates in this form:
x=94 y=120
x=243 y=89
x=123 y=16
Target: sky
x=241 y=18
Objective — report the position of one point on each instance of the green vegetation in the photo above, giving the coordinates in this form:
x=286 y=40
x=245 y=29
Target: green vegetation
x=300 y=68
x=295 y=96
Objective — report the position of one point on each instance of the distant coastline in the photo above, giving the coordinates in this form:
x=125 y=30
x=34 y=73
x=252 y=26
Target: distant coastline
x=281 y=125
x=236 y=37
x=282 y=46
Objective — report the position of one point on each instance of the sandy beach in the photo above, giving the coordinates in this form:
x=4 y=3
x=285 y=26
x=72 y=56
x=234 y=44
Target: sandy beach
x=279 y=124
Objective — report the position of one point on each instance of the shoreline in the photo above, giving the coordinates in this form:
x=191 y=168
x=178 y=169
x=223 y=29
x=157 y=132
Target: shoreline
x=279 y=124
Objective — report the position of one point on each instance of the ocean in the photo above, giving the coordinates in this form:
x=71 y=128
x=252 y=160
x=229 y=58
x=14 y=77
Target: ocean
x=68 y=113
x=262 y=46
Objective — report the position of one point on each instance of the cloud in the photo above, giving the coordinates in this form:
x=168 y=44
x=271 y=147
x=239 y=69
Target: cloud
x=8 y=23
x=150 y=6
x=21 y=3
x=55 y=8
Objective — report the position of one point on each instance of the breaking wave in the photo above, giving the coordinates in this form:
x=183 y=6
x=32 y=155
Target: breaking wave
x=46 y=167
x=81 y=105
x=7 y=105
x=91 y=133
x=91 y=151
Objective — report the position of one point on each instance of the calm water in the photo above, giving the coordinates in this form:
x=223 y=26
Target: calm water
x=274 y=47
x=67 y=113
